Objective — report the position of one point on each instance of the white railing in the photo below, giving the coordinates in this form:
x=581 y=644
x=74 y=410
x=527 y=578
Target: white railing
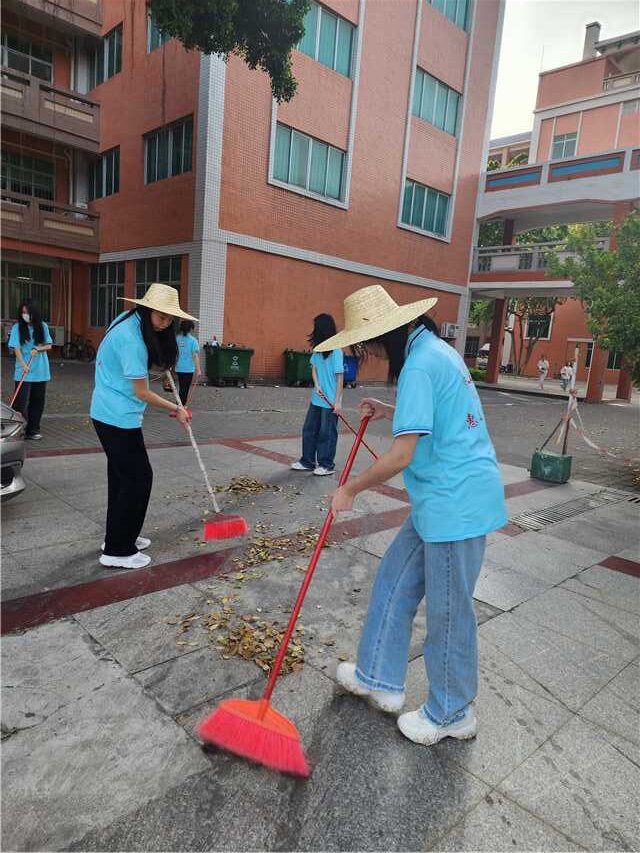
x=523 y=257
x=621 y=81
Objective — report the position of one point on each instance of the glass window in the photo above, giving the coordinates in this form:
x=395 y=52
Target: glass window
x=406 y=202
x=23 y=55
x=328 y=39
x=104 y=174
x=430 y=211
x=456 y=10
x=425 y=208
x=538 y=327
x=283 y=146
x=318 y=174
x=299 y=159
x=164 y=270
x=335 y=166
x=22 y=173
x=307 y=163
x=155 y=37
x=442 y=205
x=417 y=213
x=107 y=288
x=471 y=346
x=435 y=102
x=24 y=281
x=168 y=151
x=564 y=145
x=106 y=60
x=451 y=118
x=615 y=358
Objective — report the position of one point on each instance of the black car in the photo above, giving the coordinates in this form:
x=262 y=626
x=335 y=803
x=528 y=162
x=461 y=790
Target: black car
x=12 y=429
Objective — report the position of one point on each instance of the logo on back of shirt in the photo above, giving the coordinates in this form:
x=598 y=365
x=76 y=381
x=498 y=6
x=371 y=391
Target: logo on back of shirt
x=471 y=421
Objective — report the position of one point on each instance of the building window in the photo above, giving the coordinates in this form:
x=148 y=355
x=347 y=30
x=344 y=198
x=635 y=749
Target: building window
x=631 y=106
x=307 y=163
x=106 y=59
x=163 y=270
x=614 y=361
x=107 y=288
x=167 y=152
x=21 y=282
x=328 y=39
x=564 y=145
x=539 y=327
x=22 y=173
x=425 y=208
x=155 y=37
x=456 y=10
x=23 y=55
x=104 y=174
x=589 y=355
x=435 y=102
x=471 y=346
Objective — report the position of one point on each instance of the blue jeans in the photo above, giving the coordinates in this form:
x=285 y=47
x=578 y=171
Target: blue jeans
x=446 y=573
x=319 y=438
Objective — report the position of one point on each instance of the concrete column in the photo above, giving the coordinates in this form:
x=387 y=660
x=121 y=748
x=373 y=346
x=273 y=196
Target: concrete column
x=597 y=372
x=130 y=280
x=497 y=339
x=623 y=391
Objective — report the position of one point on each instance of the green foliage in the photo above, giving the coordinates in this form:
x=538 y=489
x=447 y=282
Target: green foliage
x=523 y=308
x=262 y=32
x=608 y=284
x=481 y=312
x=491 y=233
x=478 y=375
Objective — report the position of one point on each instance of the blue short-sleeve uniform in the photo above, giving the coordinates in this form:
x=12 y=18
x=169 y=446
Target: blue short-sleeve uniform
x=187 y=346
x=39 y=370
x=327 y=370
x=453 y=481
x=122 y=357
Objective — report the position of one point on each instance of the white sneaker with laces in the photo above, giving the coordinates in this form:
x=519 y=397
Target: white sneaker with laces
x=135 y=561
x=298 y=466
x=142 y=543
x=415 y=726
x=323 y=472
x=385 y=700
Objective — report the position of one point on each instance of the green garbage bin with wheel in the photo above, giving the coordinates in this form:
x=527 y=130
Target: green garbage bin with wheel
x=297 y=367
x=228 y=364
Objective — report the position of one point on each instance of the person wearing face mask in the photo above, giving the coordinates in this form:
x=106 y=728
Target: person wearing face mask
x=135 y=341
x=30 y=340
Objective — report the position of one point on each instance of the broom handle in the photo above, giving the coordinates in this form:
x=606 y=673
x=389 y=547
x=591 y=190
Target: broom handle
x=24 y=375
x=322 y=538
x=193 y=444
x=345 y=421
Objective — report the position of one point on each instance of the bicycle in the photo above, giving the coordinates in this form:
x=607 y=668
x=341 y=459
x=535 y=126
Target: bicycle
x=78 y=349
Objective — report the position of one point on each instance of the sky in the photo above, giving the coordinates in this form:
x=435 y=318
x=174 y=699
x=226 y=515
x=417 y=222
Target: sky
x=543 y=34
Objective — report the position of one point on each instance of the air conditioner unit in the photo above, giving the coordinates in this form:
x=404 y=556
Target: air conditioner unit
x=450 y=330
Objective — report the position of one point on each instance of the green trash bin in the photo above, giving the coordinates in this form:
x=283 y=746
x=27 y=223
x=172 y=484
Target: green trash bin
x=550 y=467
x=297 y=367
x=227 y=364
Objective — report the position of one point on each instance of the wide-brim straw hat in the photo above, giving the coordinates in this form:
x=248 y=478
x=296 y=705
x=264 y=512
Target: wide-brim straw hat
x=370 y=312
x=164 y=298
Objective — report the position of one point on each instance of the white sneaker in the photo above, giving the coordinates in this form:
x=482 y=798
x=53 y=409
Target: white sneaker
x=385 y=700
x=135 y=561
x=323 y=472
x=298 y=466
x=142 y=543
x=419 y=729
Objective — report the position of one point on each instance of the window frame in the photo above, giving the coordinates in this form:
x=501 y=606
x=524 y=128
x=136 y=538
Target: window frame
x=614 y=360
x=420 y=81
x=114 y=38
x=7 y=168
x=5 y=49
x=319 y=12
x=155 y=137
x=98 y=171
x=107 y=291
x=154 y=31
x=442 y=5
x=143 y=282
x=22 y=275
x=427 y=199
x=563 y=138
x=312 y=143
x=538 y=317
x=471 y=351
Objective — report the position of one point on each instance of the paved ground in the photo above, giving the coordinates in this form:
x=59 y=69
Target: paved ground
x=105 y=675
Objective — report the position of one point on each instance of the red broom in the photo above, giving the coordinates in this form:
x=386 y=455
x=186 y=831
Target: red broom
x=220 y=526
x=19 y=385
x=345 y=421
x=252 y=728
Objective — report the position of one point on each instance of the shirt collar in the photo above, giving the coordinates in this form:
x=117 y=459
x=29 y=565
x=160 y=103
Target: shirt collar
x=419 y=333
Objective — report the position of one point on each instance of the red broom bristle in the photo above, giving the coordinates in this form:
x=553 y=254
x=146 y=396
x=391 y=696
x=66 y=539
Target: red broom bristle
x=252 y=739
x=225 y=527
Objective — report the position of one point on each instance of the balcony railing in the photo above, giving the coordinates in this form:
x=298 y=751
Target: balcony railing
x=39 y=220
x=522 y=258
x=31 y=105
x=621 y=81
x=82 y=15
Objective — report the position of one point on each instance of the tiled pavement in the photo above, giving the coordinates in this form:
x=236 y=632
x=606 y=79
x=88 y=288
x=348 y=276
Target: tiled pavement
x=101 y=693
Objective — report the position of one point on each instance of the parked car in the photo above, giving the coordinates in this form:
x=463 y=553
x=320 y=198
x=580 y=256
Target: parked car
x=482 y=359
x=12 y=429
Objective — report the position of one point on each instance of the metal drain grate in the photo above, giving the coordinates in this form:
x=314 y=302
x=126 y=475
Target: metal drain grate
x=539 y=519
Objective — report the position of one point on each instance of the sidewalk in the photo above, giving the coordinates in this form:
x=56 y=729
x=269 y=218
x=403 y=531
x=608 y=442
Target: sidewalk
x=552 y=388
x=106 y=675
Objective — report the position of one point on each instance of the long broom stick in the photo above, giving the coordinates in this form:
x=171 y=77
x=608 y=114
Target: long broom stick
x=19 y=385
x=345 y=421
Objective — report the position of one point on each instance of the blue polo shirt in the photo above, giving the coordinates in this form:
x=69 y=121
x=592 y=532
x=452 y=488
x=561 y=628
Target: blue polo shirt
x=187 y=346
x=453 y=481
x=122 y=356
x=39 y=370
x=327 y=368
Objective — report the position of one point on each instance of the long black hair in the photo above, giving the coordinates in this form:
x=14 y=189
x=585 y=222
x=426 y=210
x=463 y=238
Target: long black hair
x=186 y=326
x=393 y=345
x=36 y=323
x=324 y=327
x=162 y=347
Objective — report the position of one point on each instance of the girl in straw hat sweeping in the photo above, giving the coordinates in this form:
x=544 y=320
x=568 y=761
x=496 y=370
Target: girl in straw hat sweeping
x=134 y=341
x=442 y=445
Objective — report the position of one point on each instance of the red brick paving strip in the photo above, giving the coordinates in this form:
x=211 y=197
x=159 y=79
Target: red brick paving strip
x=620 y=564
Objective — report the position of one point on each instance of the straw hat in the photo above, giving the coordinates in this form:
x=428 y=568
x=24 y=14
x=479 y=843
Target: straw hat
x=164 y=298
x=370 y=312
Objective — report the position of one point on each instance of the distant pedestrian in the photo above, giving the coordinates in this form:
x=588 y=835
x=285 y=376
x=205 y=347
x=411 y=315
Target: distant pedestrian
x=31 y=340
x=188 y=365
x=135 y=341
x=320 y=430
x=543 y=371
x=566 y=372
x=214 y=342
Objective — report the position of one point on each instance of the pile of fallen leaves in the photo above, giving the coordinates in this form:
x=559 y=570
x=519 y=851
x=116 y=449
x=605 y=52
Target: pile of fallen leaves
x=247 y=486
x=264 y=549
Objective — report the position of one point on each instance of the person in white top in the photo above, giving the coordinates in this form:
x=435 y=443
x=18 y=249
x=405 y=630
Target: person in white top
x=566 y=374
x=543 y=370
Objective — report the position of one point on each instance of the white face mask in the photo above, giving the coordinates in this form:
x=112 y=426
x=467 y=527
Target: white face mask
x=26 y=316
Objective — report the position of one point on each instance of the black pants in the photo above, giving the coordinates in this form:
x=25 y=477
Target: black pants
x=130 y=477
x=30 y=404
x=184 y=384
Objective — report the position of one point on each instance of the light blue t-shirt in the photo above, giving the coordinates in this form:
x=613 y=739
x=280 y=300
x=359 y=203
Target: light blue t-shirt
x=39 y=370
x=187 y=345
x=453 y=481
x=122 y=356
x=327 y=368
